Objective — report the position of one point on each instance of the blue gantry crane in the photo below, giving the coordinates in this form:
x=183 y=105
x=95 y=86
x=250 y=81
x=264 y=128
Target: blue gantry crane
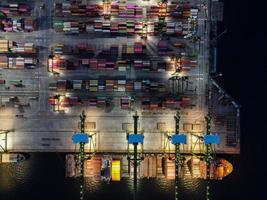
x=177 y=139
x=209 y=140
x=135 y=139
x=82 y=138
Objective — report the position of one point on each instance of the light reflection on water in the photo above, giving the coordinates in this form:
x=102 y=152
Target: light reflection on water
x=191 y=184
x=13 y=174
x=43 y=177
x=153 y=188
x=92 y=185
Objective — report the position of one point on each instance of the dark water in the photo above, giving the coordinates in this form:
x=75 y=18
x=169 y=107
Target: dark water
x=240 y=56
x=42 y=176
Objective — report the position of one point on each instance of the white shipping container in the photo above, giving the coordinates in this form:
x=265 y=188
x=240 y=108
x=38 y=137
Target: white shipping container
x=77 y=86
x=145 y=62
x=5 y=99
x=138 y=61
x=66 y=23
x=66 y=5
x=66 y=29
x=137 y=85
x=122 y=82
x=121 y=89
x=98 y=21
x=170 y=24
x=28 y=44
x=66 y=11
x=19 y=60
x=13 y=5
x=89 y=28
x=122 y=68
x=170 y=31
x=193 y=10
x=19 y=49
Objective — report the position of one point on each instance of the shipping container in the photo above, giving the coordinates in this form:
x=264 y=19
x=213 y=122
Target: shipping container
x=116 y=170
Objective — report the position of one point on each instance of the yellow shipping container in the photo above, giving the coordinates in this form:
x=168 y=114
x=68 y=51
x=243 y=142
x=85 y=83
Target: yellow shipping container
x=116 y=170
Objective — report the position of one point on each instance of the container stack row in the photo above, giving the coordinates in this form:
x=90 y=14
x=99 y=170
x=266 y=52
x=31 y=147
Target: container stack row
x=163 y=48
x=8 y=46
x=27 y=47
x=133 y=48
x=80 y=49
x=5 y=46
x=72 y=27
x=147 y=103
x=15 y=9
x=74 y=9
x=125 y=102
x=18 y=25
x=185 y=10
x=111 y=52
x=109 y=85
x=16 y=62
x=98 y=64
x=103 y=64
x=109 y=64
x=129 y=27
x=117 y=10
x=161 y=10
x=126 y=10
x=136 y=27
x=165 y=103
x=64 y=102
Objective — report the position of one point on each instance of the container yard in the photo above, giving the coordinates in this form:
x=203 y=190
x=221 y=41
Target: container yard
x=15 y=9
x=8 y=46
x=18 y=25
x=138 y=72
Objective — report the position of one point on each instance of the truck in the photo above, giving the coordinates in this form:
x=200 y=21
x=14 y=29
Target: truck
x=30 y=66
x=15 y=81
x=33 y=98
x=19 y=85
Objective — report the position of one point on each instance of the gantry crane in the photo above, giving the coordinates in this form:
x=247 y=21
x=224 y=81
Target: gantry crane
x=177 y=139
x=135 y=139
x=82 y=138
x=209 y=155
x=4 y=132
x=209 y=141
